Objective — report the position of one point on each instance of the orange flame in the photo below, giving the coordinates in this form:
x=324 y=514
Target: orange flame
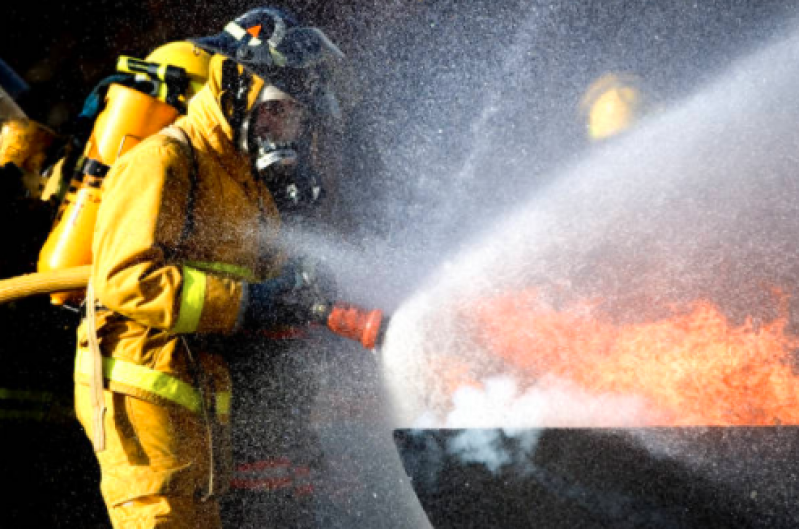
x=693 y=368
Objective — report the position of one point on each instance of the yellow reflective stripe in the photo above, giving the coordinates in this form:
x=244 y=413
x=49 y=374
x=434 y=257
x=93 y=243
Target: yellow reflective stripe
x=223 y=399
x=18 y=394
x=192 y=298
x=140 y=377
x=234 y=270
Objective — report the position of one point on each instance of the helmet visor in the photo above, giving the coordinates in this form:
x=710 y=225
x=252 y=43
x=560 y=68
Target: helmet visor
x=302 y=48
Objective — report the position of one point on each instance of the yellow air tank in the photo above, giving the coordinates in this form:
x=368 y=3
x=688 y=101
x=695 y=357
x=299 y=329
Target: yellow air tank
x=128 y=117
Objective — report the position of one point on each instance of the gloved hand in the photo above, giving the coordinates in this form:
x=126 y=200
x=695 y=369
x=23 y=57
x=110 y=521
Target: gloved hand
x=303 y=293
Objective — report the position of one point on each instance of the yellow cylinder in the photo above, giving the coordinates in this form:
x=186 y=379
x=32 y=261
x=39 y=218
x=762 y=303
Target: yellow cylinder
x=69 y=198
x=129 y=117
x=70 y=243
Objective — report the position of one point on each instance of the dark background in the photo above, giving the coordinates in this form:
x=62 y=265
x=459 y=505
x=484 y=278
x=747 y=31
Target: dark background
x=63 y=50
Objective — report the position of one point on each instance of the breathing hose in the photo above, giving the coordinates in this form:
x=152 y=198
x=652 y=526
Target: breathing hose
x=27 y=285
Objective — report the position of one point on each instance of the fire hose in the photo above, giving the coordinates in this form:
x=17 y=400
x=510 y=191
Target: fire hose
x=66 y=279
x=344 y=319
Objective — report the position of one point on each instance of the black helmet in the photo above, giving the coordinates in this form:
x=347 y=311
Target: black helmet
x=271 y=44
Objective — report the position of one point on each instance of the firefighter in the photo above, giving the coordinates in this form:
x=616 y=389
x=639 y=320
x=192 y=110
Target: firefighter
x=611 y=105
x=45 y=446
x=186 y=255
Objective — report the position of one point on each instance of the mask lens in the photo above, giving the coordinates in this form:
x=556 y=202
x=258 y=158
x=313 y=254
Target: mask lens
x=279 y=121
x=276 y=126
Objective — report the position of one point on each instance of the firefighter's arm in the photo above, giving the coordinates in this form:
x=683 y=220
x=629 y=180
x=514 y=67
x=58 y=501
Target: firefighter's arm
x=140 y=223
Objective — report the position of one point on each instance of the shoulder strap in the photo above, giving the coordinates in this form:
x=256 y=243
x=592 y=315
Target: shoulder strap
x=97 y=394
x=182 y=138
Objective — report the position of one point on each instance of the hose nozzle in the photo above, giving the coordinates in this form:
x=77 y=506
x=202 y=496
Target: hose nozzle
x=362 y=325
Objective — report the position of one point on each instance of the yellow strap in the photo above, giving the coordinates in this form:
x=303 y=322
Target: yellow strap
x=223 y=399
x=133 y=375
x=192 y=299
x=95 y=373
x=234 y=270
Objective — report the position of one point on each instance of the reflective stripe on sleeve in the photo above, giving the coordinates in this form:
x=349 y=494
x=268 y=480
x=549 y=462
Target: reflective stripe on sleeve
x=225 y=268
x=192 y=298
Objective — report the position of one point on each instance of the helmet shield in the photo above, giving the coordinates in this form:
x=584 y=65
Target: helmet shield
x=290 y=48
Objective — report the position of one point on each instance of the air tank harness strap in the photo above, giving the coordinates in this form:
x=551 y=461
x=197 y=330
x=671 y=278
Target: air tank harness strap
x=95 y=372
x=157 y=383
x=180 y=136
x=235 y=89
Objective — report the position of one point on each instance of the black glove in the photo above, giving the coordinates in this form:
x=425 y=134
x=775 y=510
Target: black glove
x=303 y=293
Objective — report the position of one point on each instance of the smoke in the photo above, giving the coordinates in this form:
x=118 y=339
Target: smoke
x=489 y=448
x=551 y=403
x=697 y=203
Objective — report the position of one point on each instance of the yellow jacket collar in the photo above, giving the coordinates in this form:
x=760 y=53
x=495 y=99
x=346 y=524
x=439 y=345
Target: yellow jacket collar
x=206 y=115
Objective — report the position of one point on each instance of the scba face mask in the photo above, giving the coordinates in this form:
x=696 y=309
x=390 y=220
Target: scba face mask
x=294 y=186
x=273 y=136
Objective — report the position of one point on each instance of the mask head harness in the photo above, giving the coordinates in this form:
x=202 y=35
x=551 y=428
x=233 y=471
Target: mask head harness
x=235 y=87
